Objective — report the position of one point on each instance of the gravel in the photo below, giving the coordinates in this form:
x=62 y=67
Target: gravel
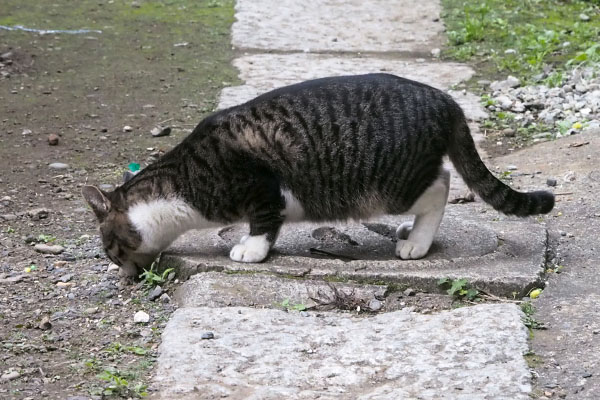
x=571 y=108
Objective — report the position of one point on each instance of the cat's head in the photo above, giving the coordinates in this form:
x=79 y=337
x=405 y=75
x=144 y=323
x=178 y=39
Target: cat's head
x=121 y=241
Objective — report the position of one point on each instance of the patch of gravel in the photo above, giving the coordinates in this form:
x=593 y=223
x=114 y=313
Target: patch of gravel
x=568 y=109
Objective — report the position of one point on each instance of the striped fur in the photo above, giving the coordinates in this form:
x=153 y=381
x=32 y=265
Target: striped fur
x=338 y=148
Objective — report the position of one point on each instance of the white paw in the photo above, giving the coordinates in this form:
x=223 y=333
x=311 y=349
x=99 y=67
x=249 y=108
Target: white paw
x=407 y=250
x=403 y=230
x=252 y=249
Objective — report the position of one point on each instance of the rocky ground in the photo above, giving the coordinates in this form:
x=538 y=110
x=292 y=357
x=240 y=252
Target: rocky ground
x=77 y=109
x=522 y=115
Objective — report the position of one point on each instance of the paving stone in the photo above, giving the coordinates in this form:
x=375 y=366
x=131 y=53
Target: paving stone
x=468 y=353
x=338 y=25
x=215 y=289
x=264 y=72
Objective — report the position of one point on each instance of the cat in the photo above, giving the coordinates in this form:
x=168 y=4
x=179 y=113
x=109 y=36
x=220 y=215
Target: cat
x=326 y=149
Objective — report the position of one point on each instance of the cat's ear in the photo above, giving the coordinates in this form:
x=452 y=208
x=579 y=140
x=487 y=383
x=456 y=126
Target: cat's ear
x=127 y=175
x=97 y=200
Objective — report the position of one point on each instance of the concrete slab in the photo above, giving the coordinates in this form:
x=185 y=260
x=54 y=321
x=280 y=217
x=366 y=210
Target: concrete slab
x=338 y=25
x=468 y=353
x=215 y=289
x=264 y=72
x=498 y=254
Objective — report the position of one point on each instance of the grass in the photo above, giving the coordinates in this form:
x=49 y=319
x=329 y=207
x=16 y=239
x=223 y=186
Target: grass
x=524 y=38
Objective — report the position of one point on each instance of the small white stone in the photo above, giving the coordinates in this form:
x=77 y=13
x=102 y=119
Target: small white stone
x=127 y=128
x=141 y=317
x=112 y=267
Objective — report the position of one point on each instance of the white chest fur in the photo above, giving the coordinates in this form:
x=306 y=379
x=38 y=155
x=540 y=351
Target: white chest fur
x=161 y=221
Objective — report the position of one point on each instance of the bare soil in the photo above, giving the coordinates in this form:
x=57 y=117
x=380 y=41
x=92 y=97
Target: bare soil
x=67 y=325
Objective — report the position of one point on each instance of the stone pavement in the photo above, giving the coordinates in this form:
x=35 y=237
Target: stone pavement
x=263 y=353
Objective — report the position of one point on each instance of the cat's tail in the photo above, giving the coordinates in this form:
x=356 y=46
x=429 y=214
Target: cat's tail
x=502 y=197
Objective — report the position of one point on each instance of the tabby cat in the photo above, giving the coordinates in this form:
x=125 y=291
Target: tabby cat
x=326 y=149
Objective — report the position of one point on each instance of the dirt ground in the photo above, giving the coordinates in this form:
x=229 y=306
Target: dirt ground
x=66 y=322
x=67 y=326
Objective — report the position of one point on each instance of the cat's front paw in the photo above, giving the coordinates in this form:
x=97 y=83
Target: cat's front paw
x=252 y=249
x=407 y=250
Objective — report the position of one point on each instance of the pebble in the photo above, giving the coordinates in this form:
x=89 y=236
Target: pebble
x=584 y=17
x=12 y=279
x=141 y=317
x=10 y=375
x=26 y=132
x=435 y=52
x=45 y=324
x=511 y=167
x=64 y=285
x=410 y=292
x=207 y=335
x=107 y=187
x=38 y=213
x=551 y=182
x=112 y=267
x=508 y=83
x=155 y=293
x=53 y=139
x=158 y=131
x=58 y=165
x=164 y=298
x=66 y=278
x=303 y=314
x=509 y=132
x=375 y=305
x=8 y=217
x=48 y=249
x=90 y=310
x=127 y=128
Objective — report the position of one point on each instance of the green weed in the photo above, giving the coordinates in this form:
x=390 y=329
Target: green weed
x=151 y=278
x=119 y=385
x=459 y=288
x=292 y=307
x=46 y=238
x=117 y=347
x=528 y=320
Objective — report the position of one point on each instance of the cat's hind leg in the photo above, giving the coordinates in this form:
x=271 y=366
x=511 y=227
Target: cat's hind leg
x=414 y=239
x=264 y=214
